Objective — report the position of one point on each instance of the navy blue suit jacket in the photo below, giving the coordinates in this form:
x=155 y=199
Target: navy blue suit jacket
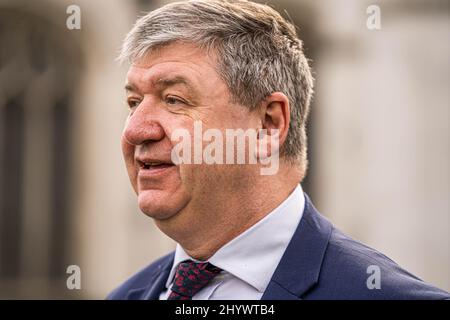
x=320 y=262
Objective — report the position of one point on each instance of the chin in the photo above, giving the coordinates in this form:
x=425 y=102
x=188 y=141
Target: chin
x=159 y=204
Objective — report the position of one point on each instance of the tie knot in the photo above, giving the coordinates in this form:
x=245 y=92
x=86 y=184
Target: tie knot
x=190 y=278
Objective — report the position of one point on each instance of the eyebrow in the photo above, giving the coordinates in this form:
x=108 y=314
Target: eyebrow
x=164 y=83
x=167 y=82
x=129 y=87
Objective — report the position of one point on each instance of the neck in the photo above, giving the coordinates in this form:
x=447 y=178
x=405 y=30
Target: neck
x=202 y=230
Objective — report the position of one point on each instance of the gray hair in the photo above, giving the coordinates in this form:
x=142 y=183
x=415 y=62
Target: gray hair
x=258 y=53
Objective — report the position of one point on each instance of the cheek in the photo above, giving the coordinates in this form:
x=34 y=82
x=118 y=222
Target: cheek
x=200 y=180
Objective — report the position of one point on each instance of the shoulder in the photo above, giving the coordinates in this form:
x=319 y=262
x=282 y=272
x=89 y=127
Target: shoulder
x=352 y=270
x=141 y=279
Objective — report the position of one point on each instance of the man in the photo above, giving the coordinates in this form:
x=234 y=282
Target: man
x=200 y=70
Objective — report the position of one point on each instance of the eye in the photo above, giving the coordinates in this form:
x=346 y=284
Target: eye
x=173 y=100
x=133 y=103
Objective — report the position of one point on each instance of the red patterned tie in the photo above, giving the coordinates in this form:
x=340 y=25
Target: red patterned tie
x=190 y=278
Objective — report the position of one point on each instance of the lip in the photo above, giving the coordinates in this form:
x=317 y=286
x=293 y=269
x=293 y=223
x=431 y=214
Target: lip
x=154 y=172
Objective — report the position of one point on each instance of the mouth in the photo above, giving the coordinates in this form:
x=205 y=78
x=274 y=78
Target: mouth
x=153 y=167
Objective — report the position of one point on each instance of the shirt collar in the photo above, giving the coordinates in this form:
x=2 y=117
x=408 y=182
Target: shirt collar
x=254 y=254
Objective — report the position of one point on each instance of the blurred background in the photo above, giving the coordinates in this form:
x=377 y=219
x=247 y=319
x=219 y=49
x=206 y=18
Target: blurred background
x=378 y=138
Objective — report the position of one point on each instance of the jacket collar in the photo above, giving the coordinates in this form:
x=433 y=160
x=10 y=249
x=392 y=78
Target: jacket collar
x=300 y=266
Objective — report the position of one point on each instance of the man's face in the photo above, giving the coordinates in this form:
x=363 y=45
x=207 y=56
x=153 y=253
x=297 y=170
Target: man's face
x=169 y=89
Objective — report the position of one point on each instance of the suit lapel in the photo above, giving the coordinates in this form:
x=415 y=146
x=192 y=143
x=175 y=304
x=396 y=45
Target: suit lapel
x=157 y=282
x=299 y=268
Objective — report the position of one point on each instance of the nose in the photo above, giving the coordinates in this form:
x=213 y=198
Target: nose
x=143 y=126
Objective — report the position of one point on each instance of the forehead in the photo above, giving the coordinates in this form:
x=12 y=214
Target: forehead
x=178 y=63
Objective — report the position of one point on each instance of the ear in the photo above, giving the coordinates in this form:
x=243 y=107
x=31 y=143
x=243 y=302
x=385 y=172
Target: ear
x=275 y=114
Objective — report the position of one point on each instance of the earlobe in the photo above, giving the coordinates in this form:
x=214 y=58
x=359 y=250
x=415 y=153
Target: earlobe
x=268 y=144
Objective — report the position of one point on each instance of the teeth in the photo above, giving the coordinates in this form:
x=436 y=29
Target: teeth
x=148 y=164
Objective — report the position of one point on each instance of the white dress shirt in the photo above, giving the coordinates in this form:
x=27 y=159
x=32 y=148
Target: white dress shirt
x=249 y=260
